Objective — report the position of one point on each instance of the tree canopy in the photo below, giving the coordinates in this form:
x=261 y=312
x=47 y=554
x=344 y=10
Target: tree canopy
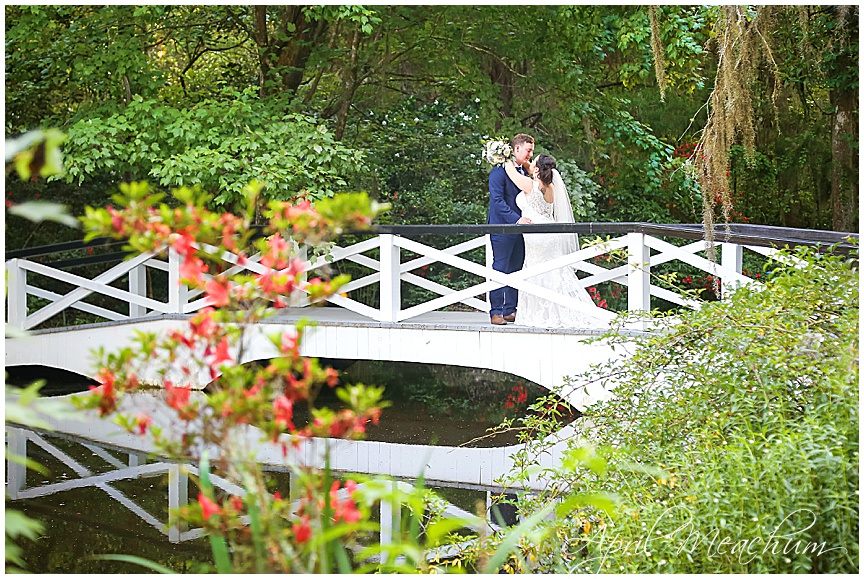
x=396 y=100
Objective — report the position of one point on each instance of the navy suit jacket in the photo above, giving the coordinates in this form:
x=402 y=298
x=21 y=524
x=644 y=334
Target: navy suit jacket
x=502 y=198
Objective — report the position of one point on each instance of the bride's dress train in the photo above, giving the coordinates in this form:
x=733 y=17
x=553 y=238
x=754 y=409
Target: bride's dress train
x=540 y=248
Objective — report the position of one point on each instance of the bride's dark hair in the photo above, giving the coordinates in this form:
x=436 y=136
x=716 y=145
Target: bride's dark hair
x=545 y=164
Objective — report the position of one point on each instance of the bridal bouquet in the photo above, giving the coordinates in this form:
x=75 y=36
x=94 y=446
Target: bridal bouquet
x=496 y=152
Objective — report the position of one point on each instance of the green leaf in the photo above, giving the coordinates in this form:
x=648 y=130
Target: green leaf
x=217 y=542
x=512 y=538
x=20 y=525
x=39 y=211
x=602 y=501
x=443 y=527
x=146 y=563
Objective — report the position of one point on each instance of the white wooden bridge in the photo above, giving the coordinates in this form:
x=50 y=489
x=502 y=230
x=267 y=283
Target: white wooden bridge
x=450 y=328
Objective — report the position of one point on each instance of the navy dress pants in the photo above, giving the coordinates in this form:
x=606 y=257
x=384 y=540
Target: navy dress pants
x=508 y=254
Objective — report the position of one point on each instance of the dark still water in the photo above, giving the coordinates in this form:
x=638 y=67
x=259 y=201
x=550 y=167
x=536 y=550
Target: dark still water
x=438 y=405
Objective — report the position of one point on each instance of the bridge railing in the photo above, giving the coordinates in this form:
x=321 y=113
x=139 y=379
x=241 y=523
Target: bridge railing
x=384 y=255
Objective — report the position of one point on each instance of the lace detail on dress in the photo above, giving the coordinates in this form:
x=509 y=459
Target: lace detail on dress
x=540 y=248
x=538 y=204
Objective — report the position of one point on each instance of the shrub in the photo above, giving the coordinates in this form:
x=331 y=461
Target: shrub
x=732 y=442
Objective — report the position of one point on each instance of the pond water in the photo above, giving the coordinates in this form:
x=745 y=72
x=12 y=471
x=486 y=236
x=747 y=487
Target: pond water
x=430 y=405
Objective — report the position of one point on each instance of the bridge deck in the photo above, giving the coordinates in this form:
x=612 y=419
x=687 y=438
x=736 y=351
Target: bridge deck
x=333 y=316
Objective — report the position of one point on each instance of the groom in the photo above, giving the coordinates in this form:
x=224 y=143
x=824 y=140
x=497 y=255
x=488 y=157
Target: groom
x=508 y=250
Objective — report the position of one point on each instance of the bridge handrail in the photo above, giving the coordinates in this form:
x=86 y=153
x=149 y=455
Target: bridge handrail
x=740 y=233
x=61 y=247
x=642 y=242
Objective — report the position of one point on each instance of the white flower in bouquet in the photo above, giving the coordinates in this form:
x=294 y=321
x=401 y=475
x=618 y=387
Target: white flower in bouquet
x=496 y=152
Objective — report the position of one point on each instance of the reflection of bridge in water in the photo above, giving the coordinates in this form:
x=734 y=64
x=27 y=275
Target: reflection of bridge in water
x=384 y=327
x=130 y=456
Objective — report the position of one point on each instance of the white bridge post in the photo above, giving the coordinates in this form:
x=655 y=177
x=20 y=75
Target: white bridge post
x=489 y=260
x=138 y=287
x=16 y=280
x=16 y=472
x=391 y=281
x=178 y=496
x=638 y=273
x=391 y=522
x=731 y=257
x=301 y=252
x=178 y=294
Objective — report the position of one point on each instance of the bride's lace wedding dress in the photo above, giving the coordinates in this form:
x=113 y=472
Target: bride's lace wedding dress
x=539 y=248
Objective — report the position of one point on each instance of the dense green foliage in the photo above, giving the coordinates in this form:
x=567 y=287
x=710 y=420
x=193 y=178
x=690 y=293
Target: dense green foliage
x=218 y=145
x=318 y=100
x=732 y=443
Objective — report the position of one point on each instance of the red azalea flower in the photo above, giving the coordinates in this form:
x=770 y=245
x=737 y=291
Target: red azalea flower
x=183 y=243
x=208 y=507
x=178 y=397
x=193 y=269
x=332 y=377
x=222 y=354
x=203 y=324
x=283 y=412
x=116 y=219
x=143 y=422
x=302 y=531
x=107 y=379
x=218 y=293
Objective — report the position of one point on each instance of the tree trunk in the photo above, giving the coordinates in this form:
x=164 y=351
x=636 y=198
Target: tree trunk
x=290 y=51
x=349 y=87
x=502 y=77
x=844 y=129
x=295 y=52
x=844 y=160
x=262 y=41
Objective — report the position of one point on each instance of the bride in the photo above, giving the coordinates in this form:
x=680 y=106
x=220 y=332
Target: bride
x=544 y=199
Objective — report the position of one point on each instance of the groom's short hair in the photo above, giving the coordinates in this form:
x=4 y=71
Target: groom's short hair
x=521 y=139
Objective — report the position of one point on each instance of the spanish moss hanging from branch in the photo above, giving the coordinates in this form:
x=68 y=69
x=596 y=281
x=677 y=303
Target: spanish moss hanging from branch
x=741 y=47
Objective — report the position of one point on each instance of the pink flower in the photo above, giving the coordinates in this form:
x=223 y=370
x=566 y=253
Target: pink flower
x=279 y=249
x=289 y=343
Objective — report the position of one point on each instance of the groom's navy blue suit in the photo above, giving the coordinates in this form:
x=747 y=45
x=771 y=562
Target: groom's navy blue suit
x=508 y=250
